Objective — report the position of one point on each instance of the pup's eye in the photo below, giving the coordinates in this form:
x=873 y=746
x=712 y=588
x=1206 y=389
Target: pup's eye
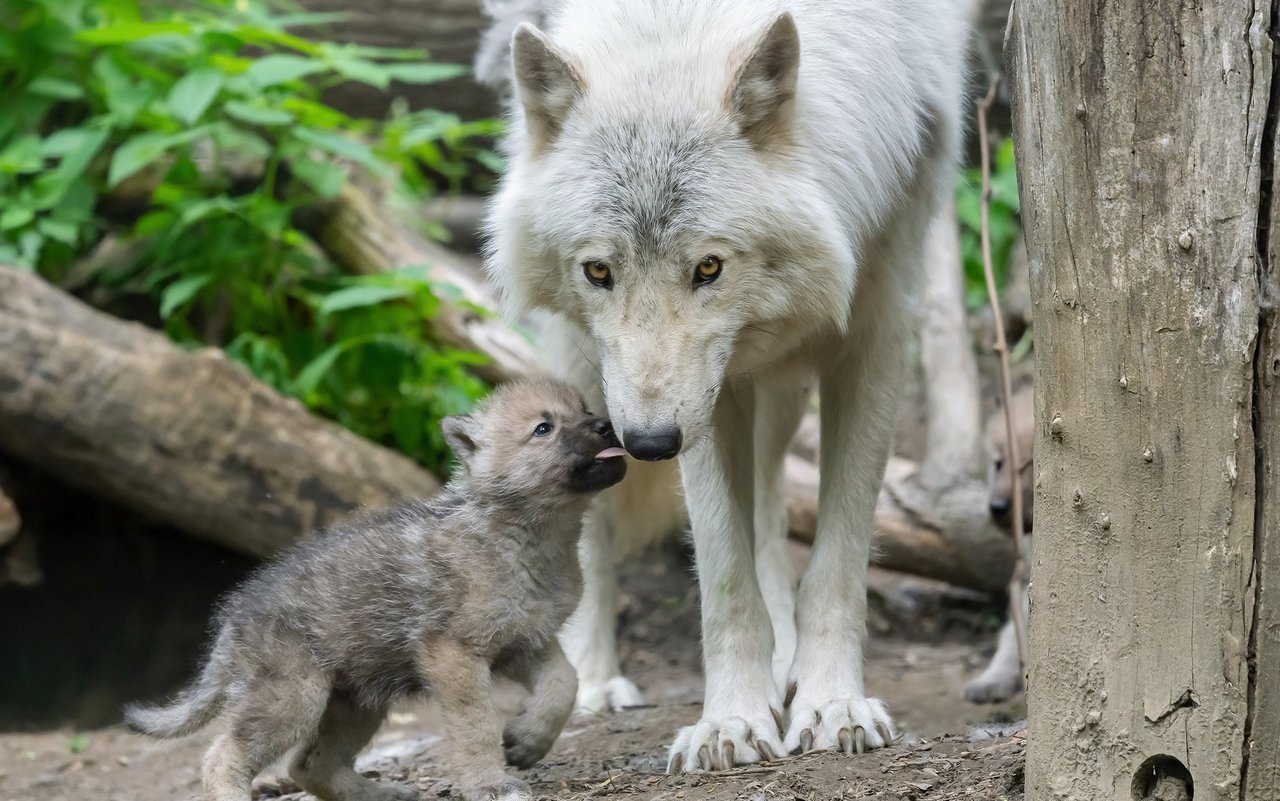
x=707 y=270
x=598 y=273
x=542 y=430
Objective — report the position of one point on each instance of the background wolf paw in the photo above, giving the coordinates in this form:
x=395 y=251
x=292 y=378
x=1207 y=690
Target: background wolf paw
x=852 y=725
x=608 y=696
x=721 y=744
x=993 y=686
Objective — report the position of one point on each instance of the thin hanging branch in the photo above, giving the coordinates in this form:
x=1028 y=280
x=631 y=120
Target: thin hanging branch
x=1017 y=584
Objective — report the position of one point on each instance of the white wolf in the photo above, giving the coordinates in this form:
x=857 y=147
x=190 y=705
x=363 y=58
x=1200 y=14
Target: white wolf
x=724 y=202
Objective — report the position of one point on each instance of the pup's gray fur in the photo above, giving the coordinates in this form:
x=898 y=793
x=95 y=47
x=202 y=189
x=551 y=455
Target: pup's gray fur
x=429 y=596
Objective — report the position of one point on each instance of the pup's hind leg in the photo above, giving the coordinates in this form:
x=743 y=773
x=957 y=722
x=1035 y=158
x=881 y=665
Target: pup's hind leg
x=325 y=766
x=272 y=716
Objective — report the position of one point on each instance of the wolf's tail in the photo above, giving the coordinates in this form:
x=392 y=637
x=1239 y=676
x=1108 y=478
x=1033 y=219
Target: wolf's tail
x=194 y=707
x=493 y=56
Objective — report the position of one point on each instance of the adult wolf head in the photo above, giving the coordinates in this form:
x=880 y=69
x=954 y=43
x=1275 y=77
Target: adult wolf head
x=661 y=198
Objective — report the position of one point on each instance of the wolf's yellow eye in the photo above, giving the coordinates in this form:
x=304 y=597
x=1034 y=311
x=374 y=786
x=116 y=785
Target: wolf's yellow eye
x=707 y=270
x=598 y=273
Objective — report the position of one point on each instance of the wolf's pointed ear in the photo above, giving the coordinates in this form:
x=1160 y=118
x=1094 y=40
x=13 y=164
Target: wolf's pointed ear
x=764 y=90
x=545 y=83
x=460 y=432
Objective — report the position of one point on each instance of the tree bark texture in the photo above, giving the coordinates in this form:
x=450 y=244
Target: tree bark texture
x=1141 y=134
x=189 y=438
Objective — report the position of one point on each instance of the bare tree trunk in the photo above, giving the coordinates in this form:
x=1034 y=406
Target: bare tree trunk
x=1262 y=746
x=186 y=437
x=1141 y=134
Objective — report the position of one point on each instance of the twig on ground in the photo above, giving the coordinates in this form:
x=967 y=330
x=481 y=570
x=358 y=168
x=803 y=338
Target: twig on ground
x=1017 y=584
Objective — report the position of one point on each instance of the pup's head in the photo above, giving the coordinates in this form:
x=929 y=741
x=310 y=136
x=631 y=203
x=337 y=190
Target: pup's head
x=1000 y=469
x=659 y=200
x=534 y=443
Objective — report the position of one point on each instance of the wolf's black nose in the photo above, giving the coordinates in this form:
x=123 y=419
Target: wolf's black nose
x=999 y=508
x=652 y=444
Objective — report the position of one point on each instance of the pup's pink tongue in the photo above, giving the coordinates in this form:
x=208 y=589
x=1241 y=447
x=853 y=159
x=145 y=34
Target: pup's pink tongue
x=610 y=453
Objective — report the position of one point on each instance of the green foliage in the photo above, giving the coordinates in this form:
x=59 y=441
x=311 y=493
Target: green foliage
x=1003 y=222
x=209 y=115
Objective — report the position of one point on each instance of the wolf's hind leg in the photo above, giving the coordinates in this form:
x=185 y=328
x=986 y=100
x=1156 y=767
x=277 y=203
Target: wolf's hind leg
x=779 y=408
x=325 y=766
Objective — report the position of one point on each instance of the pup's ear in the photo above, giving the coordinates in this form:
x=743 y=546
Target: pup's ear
x=763 y=94
x=460 y=431
x=546 y=84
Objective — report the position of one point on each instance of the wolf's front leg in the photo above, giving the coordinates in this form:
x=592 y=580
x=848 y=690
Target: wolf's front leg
x=740 y=715
x=552 y=685
x=830 y=708
x=463 y=683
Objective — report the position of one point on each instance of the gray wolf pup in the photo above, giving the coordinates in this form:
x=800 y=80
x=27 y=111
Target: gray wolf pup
x=721 y=204
x=1002 y=677
x=428 y=596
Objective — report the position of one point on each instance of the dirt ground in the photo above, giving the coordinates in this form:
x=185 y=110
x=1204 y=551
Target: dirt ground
x=926 y=640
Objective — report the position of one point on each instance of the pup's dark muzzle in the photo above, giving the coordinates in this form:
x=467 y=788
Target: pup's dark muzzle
x=600 y=462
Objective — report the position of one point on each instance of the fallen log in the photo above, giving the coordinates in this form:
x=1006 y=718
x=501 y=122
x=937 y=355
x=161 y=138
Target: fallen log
x=449 y=30
x=946 y=535
x=364 y=240
x=186 y=437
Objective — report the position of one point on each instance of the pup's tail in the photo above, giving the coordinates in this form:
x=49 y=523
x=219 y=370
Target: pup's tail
x=194 y=707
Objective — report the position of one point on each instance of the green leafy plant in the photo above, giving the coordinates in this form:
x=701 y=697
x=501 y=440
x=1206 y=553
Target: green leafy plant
x=1004 y=222
x=197 y=129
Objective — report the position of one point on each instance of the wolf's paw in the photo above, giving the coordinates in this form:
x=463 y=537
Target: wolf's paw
x=852 y=725
x=507 y=790
x=721 y=744
x=609 y=696
x=993 y=686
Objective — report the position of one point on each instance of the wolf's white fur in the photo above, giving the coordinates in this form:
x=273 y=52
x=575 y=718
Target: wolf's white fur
x=806 y=144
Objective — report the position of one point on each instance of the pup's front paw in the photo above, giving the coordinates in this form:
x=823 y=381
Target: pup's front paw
x=712 y=744
x=525 y=741
x=852 y=725
x=507 y=790
x=597 y=698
